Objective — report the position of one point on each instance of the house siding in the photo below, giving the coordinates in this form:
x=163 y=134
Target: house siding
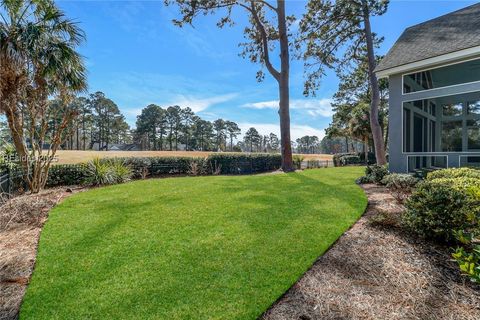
x=398 y=160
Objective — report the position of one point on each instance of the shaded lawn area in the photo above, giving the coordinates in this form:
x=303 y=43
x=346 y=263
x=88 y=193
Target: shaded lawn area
x=221 y=247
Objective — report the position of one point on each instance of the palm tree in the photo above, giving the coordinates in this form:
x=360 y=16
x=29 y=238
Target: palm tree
x=37 y=60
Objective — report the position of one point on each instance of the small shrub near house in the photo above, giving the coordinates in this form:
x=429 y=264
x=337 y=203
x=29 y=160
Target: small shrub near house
x=400 y=185
x=446 y=207
x=373 y=174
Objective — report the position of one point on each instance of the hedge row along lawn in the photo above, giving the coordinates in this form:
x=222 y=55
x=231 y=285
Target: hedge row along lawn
x=218 y=247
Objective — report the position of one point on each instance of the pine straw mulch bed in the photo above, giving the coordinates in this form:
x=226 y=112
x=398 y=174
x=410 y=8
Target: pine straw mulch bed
x=21 y=220
x=378 y=271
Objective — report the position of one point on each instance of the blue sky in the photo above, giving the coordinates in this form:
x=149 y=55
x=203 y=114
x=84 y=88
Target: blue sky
x=136 y=57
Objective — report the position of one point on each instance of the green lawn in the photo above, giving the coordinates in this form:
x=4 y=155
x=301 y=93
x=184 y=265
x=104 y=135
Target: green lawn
x=222 y=247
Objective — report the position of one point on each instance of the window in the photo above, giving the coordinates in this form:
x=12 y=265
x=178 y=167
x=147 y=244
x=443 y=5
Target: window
x=459 y=73
x=453 y=109
x=452 y=136
x=470 y=161
x=473 y=134
x=442 y=124
x=419 y=162
x=473 y=108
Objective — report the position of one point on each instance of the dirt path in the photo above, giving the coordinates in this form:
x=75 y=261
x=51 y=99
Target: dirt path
x=377 y=271
x=21 y=220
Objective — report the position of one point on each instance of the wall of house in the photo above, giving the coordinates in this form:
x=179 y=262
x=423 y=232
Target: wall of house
x=398 y=159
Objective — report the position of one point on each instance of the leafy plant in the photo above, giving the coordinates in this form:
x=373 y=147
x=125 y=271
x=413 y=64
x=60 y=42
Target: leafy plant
x=373 y=174
x=196 y=168
x=401 y=185
x=468 y=255
x=99 y=173
x=120 y=172
x=453 y=173
x=437 y=208
x=297 y=161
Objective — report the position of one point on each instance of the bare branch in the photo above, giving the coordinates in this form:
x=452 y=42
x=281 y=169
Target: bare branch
x=266 y=54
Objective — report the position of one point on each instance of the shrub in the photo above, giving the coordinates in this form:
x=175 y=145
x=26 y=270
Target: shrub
x=400 y=185
x=8 y=157
x=120 y=172
x=371 y=159
x=297 y=161
x=237 y=163
x=437 y=208
x=376 y=172
x=468 y=255
x=197 y=168
x=99 y=172
x=67 y=175
x=364 y=180
x=373 y=174
x=454 y=173
x=312 y=164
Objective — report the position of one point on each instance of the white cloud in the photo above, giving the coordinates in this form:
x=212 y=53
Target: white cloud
x=273 y=104
x=197 y=104
x=320 y=107
x=296 y=131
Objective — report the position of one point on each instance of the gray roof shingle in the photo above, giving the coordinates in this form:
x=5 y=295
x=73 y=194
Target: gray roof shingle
x=449 y=33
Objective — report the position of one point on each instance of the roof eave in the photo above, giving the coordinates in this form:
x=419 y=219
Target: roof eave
x=430 y=62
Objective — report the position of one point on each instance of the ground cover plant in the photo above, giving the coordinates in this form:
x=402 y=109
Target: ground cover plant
x=193 y=247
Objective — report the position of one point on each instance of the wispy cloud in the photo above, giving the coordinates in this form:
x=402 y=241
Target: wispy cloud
x=296 y=130
x=318 y=107
x=200 y=104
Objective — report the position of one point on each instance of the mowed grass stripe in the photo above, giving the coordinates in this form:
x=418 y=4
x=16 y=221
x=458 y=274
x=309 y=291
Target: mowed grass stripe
x=223 y=247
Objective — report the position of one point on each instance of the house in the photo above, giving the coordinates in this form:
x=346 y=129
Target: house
x=117 y=147
x=434 y=108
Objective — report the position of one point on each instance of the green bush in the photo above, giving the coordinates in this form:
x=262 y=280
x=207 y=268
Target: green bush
x=117 y=170
x=364 y=180
x=400 y=185
x=238 y=163
x=373 y=174
x=121 y=172
x=99 y=173
x=438 y=208
x=67 y=175
x=468 y=255
x=453 y=173
x=297 y=161
x=376 y=173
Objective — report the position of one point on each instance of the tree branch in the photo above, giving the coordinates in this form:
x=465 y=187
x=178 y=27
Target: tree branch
x=266 y=55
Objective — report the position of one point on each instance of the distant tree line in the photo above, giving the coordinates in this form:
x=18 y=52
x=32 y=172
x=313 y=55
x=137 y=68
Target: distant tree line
x=98 y=123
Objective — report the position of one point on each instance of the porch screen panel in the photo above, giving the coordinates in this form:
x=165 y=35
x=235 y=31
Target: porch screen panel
x=454 y=74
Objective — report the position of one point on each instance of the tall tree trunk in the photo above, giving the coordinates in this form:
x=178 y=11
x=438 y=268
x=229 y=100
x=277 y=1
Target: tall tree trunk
x=14 y=120
x=284 y=90
x=83 y=132
x=375 y=91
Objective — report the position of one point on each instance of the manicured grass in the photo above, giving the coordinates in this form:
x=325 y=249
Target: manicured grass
x=223 y=247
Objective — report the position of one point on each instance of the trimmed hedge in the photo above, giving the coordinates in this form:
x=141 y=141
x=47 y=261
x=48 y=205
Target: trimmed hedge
x=142 y=167
x=346 y=159
x=238 y=163
x=67 y=175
